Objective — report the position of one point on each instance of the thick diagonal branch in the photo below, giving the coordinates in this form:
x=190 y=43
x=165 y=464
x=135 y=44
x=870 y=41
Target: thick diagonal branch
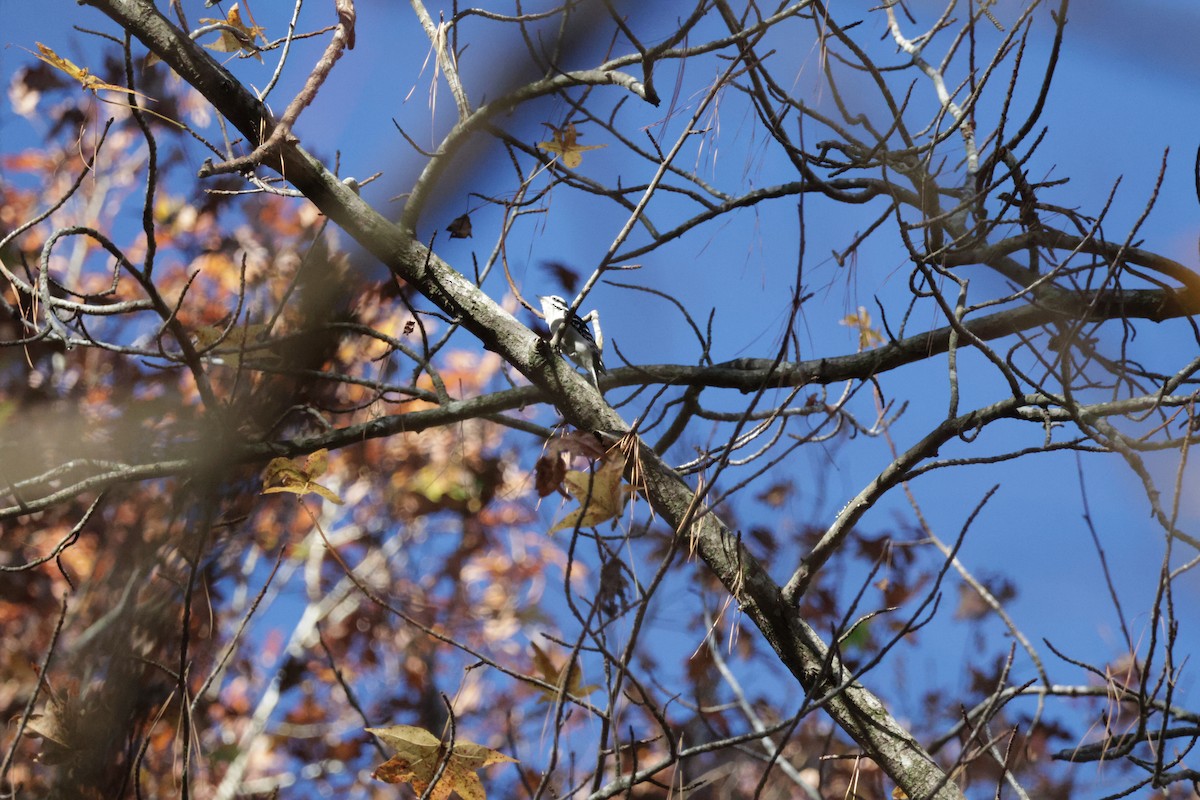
x=855 y=709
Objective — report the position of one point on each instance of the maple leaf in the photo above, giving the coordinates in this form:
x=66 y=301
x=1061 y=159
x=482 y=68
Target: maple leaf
x=236 y=35
x=867 y=336
x=86 y=79
x=419 y=754
x=600 y=494
x=566 y=146
x=569 y=681
x=285 y=475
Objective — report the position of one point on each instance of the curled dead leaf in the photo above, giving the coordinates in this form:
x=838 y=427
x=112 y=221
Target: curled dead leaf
x=86 y=79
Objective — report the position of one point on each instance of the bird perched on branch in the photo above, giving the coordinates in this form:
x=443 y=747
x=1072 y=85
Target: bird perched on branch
x=576 y=340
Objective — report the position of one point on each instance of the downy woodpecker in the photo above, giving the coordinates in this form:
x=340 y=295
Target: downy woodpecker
x=577 y=342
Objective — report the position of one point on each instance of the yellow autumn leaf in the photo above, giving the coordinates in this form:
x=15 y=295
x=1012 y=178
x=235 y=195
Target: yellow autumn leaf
x=86 y=79
x=238 y=36
x=419 y=754
x=565 y=145
x=867 y=336
x=285 y=475
x=600 y=494
x=316 y=463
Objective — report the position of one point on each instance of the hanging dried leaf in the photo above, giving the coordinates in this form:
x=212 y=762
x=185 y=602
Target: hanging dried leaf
x=566 y=146
x=867 y=336
x=613 y=584
x=460 y=228
x=577 y=443
x=776 y=494
x=570 y=681
x=600 y=494
x=285 y=475
x=316 y=463
x=419 y=754
x=237 y=35
x=51 y=725
x=548 y=473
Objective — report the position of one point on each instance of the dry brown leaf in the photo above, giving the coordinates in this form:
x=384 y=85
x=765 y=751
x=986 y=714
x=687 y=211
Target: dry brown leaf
x=570 y=681
x=577 y=443
x=419 y=754
x=613 y=585
x=316 y=463
x=548 y=473
x=460 y=228
x=776 y=494
x=50 y=725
